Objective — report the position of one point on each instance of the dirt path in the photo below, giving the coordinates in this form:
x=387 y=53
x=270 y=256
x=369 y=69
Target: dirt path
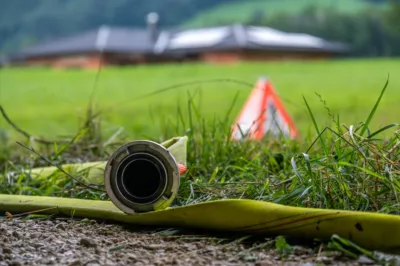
x=65 y=242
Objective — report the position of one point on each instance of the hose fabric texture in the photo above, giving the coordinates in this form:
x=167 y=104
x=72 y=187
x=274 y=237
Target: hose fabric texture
x=374 y=231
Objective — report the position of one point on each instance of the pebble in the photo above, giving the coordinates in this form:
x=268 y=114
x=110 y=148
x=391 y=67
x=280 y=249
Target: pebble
x=87 y=242
x=14 y=263
x=75 y=263
x=34 y=235
x=7 y=250
x=60 y=226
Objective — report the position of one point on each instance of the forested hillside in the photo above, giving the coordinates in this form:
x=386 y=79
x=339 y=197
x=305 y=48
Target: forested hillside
x=254 y=10
x=371 y=26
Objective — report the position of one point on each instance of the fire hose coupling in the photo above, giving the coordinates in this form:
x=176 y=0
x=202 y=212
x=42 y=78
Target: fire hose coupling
x=142 y=176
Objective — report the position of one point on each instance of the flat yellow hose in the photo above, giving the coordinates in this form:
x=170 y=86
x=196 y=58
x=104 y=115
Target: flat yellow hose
x=369 y=230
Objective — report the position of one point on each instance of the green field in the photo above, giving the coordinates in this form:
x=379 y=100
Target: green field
x=243 y=11
x=53 y=102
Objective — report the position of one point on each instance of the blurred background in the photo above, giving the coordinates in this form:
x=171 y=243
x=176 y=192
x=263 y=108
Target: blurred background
x=335 y=53
x=370 y=26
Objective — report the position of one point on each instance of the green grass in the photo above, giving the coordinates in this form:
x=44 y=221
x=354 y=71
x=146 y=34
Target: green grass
x=50 y=103
x=244 y=10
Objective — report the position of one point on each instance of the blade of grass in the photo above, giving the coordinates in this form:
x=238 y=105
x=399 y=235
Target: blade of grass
x=372 y=113
x=316 y=126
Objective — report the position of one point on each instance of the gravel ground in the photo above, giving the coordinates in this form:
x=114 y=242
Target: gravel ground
x=86 y=242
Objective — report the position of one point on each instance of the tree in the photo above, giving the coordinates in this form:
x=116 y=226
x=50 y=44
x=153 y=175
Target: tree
x=366 y=32
x=392 y=16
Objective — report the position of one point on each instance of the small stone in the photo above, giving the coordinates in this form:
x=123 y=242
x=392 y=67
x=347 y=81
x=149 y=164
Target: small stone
x=7 y=250
x=23 y=226
x=323 y=259
x=92 y=263
x=60 y=226
x=154 y=246
x=86 y=242
x=364 y=260
x=249 y=257
x=15 y=234
x=37 y=245
x=98 y=251
x=132 y=256
x=34 y=235
x=45 y=261
x=75 y=263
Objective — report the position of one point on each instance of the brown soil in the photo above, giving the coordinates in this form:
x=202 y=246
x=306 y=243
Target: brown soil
x=68 y=242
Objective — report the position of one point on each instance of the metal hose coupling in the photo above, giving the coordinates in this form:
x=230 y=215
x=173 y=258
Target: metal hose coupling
x=142 y=176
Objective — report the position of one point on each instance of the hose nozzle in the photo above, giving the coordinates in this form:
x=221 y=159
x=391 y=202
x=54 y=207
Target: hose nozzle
x=142 y=176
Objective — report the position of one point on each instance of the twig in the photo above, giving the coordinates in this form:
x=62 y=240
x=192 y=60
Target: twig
x=31 y=212
x=62 y=170
x=23 y=132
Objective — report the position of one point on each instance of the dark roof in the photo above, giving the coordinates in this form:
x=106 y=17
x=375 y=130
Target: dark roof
x=127 y=40
x=107 y=39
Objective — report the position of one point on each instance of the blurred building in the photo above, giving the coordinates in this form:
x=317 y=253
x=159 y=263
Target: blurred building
x=219 y=44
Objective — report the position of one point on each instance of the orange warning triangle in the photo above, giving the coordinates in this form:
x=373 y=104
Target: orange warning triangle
x=262 y=113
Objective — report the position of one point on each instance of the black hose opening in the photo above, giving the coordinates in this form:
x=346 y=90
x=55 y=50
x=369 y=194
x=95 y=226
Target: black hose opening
x=141 y=178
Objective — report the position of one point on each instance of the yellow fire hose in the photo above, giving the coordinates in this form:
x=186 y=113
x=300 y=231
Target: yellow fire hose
x=135 y=200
